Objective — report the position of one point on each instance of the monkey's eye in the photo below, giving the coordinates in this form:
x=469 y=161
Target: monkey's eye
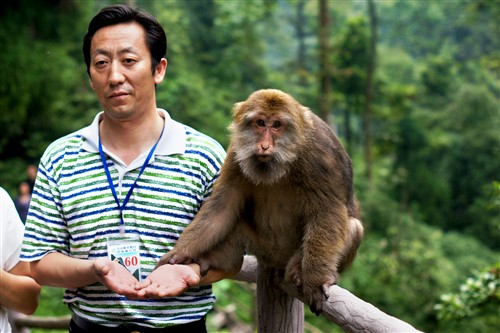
x=276 y=124
x=261 y=123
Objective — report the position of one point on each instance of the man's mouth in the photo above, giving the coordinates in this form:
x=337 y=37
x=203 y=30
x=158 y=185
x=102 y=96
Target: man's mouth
x=118 y=94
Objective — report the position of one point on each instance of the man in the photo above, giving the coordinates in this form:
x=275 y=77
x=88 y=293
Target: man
x=112 y=198
x=18 y=291
x=31 y=171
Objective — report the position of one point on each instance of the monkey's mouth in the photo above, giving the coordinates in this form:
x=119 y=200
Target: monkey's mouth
x=263 y=158
x=265 y=163
x=263 y=154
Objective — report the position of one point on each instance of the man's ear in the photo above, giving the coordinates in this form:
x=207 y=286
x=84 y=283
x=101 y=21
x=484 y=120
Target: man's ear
x=160 y=71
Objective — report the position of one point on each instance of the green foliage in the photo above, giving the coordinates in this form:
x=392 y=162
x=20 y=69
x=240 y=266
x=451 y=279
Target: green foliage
x=477 y=291
x=475 y=139
x=408 y=259
x=399 y=253
x=479 y=296
x=485 y=212
x=38 y=84
x=51 y=305
x=51 y=302
x=437 y=77
x=241 y=295
x=12 y=173
x=352 y=58
x=426 y=27
x=417 y=184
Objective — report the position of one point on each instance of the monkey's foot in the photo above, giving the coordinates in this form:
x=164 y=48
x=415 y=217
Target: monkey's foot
x=316 y=296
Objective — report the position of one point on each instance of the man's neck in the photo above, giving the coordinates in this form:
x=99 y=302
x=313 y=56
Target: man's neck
x=128 y=139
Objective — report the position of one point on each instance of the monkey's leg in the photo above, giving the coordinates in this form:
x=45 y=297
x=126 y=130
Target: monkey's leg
x=356 y=232
x=293 y=271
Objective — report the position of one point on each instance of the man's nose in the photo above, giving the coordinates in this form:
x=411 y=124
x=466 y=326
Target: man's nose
x=115 y=75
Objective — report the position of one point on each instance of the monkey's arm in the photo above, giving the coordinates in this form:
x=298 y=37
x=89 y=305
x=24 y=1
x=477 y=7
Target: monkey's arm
x=223 y=258
x=209 y=239
x=325 y=239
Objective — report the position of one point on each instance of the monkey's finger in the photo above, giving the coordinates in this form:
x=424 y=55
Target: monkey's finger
x=163 y=260
x=180 y=259
x=315 y=310
x=325 y=289
x=204 y=267
x=298 y=281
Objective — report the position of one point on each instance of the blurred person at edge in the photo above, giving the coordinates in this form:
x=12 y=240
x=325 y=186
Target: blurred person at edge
x=31 y=171
x=110 y=199
x=18 y=291
x=22 y=200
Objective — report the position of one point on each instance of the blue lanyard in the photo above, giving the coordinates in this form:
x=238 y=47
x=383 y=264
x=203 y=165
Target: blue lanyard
x=121 y=207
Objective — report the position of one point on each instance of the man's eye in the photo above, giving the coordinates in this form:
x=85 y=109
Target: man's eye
x=100 y=63
x=129 y=61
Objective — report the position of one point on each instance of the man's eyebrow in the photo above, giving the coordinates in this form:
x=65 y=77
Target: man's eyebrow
x=122 y=51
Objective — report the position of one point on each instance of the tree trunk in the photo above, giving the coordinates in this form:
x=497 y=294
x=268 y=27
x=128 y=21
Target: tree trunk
x=277 y=310
x=369 y=91
x=324 y=64
x=300 y=23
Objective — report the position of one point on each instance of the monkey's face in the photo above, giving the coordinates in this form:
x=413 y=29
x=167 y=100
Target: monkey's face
x=264 y=148
x=266 y=136
x=268 y=131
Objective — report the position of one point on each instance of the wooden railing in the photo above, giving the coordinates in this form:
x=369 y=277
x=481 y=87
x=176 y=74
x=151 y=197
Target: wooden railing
x=22 y=323
x=280 y=308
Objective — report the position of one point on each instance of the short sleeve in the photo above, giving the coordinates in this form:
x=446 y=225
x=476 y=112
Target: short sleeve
x=11 y=229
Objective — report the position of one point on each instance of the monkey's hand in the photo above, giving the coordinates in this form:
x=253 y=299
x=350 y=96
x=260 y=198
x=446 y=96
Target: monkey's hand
x=306 y=281
x=314 y=293
x=176 y=257
x=173 y=257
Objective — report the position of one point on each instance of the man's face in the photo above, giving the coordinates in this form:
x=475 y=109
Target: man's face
x=120 y=71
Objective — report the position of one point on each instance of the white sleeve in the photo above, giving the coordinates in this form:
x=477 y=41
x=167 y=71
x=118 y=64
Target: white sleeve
x=11 y=232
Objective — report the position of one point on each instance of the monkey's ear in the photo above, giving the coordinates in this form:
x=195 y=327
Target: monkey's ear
x=236 y=108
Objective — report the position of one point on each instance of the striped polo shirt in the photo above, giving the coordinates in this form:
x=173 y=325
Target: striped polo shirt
x=73 y=212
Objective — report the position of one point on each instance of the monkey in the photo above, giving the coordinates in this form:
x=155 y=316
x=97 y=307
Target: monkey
x=285 y=194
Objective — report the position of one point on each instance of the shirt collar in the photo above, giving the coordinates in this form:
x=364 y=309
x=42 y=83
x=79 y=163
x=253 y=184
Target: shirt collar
x=173 y=140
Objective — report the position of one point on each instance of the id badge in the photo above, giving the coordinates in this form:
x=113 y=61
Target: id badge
x=126 y=251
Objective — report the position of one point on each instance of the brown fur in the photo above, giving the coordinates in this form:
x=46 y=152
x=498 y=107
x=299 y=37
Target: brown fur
x=285 y=194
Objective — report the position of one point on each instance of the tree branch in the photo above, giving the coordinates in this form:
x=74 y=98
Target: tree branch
x=346 y=310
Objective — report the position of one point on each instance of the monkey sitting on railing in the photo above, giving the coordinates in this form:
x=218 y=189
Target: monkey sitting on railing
x=285 y=194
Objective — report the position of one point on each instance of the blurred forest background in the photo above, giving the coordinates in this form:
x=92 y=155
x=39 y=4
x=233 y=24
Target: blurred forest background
x=411 y=87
